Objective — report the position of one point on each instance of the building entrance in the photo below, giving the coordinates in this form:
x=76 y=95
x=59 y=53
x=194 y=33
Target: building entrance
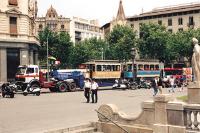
x=13 y=61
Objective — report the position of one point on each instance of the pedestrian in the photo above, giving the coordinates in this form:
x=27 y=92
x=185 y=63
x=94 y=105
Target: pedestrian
x=172 y=83
x=160 y=85
x=87 y=88
x=155 y=85
x=94 y=89
x=181 y=83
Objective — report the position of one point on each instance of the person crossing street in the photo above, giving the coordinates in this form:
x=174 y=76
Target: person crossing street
x=87 y=89
x=94 y=89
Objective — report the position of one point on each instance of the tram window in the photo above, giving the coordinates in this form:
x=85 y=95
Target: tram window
x=108 y=68
x=114 y=68
x=151 y=67
x=146 y=67
x=93 y=68
x=141 y=67
x=157 y=67
x=104 y=68
x=98 y=67
x=118 y=67
x=129 y=68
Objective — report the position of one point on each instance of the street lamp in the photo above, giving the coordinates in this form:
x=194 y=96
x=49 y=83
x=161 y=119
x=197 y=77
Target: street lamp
x=134 y=73
x=48 y=57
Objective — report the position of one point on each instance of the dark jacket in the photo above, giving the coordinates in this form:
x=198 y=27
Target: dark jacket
x=159 y=83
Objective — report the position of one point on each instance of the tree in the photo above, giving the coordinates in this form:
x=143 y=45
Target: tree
x=59 y=46
x=120 y=41
x=89 y=49
x=153 y=41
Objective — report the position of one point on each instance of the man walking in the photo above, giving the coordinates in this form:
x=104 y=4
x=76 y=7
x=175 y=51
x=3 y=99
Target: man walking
x=172 y=83
x=155 y=85
x=94 y=89
x=87 y=89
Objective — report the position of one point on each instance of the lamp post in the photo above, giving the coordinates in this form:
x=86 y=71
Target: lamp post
x=48 y=57
x=102 y=57
x=133 y=53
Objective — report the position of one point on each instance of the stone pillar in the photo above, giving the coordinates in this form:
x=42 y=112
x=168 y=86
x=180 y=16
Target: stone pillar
x=36 y=58
x=161 y=123
x=3 y=65
x=24 y=57
x=194 y=93
x=31 y=57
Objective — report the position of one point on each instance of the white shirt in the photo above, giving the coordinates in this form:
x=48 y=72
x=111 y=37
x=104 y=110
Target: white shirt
x=87 y=84
x=94 y=86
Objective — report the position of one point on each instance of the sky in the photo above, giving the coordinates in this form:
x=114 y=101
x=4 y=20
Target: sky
x=103 y=10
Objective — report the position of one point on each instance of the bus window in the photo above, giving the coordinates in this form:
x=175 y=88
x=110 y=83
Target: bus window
x=140 y=67
x=98 y=67
x=157 y=67
x=146 y=67
x=151 y=67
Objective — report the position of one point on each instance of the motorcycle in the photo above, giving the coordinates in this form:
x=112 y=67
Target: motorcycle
x=32 y=89
x=8 y=90
x=125 y=84
x=145 y=85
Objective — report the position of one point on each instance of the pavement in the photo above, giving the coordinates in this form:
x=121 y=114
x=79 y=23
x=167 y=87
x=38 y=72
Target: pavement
x=50 y=111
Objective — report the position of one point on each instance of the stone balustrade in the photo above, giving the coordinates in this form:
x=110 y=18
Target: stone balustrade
x=192 y=120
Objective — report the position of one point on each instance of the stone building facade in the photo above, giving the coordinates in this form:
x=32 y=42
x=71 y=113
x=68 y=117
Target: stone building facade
x=81 y=29
x=53 y=21
x=174 y=18
x=78 y=28
x=18 y=43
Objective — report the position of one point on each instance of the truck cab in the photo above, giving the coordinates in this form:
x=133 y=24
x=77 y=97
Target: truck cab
x=26 y=73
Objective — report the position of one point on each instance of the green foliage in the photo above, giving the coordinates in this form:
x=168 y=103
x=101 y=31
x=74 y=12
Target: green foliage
x=153 y=41
x=89 y=49
x=120 y=41
x=59 y=46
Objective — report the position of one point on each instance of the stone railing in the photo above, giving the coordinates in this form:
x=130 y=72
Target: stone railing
x=192 y=118
x=163 y=115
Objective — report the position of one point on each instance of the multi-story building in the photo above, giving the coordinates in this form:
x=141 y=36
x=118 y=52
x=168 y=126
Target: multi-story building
x=18 y=44
x=78 y=28
x=81 y=29
x=53 y=21
x=174 y=18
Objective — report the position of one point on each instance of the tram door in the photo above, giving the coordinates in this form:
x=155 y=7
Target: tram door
x=13 y=61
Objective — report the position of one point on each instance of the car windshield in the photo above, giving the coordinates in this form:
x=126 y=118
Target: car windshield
x=21 y=70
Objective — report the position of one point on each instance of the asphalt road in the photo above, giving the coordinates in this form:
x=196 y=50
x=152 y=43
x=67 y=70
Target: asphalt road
x=35 y=114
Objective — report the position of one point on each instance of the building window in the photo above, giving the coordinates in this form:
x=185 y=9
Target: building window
x=191 y=20
x=160 y=22
x=169 y=22
x=13 y=25
x=180 y=29
x=62 y=26
x=13 y=2
x=40 y=26
x=170 y=30
x=180 y=21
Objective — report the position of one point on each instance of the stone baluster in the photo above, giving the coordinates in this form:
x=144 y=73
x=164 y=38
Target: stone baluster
x=189 y=120
x=195 y=123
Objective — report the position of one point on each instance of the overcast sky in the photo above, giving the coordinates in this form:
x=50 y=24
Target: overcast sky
x=103 y=10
